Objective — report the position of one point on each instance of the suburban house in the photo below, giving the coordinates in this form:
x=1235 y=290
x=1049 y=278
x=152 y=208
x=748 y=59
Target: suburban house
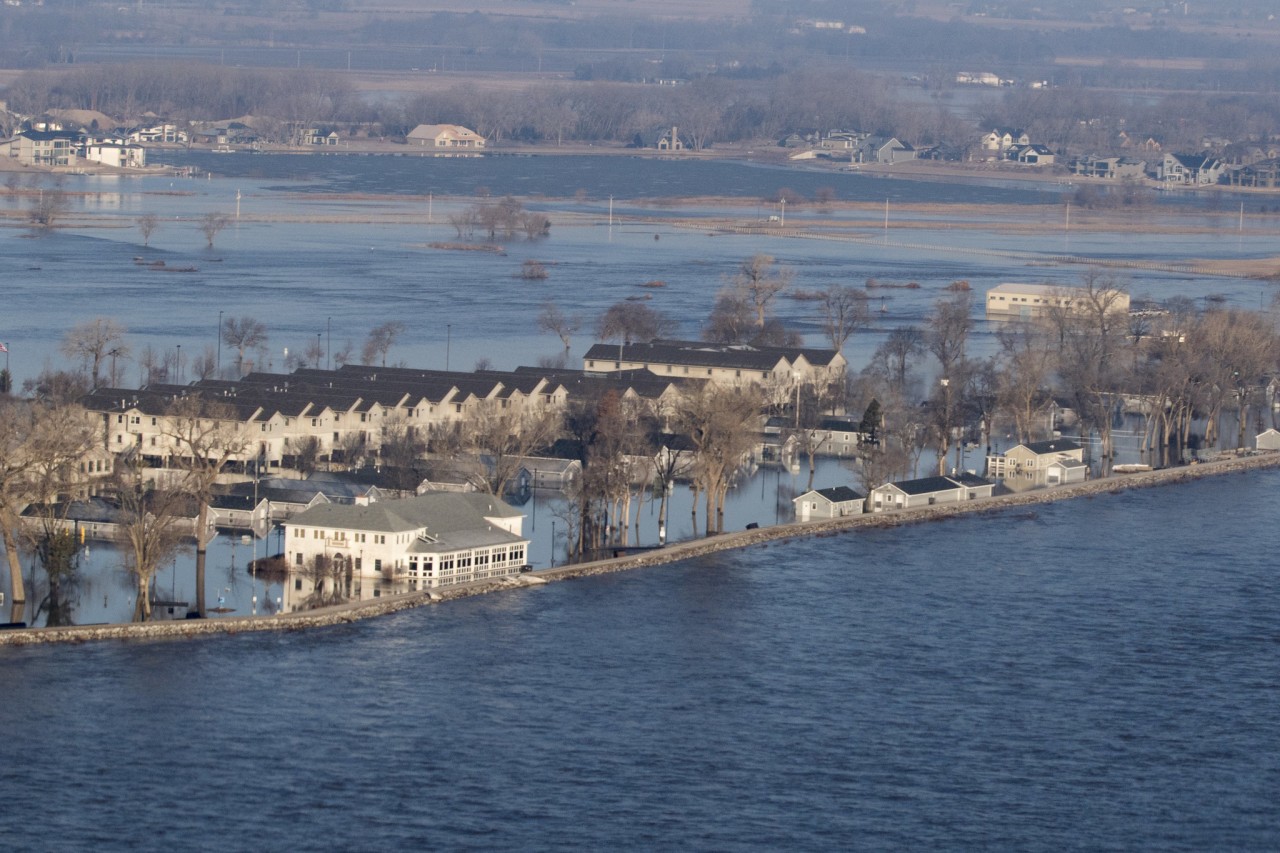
x=669 y=140
x=45 y=147
x=880 y=149
x=928 y=491
x=734 y=364
x=158 y=133
x=1113 y=168
x=1192 y=169
x=998 y=140
x=1043 y=463
x=834 y=502
x=1012 y=300
x=1030 y=155
x=119 y=155
x=1264 y=174
x=432 y=540
x=449 y=136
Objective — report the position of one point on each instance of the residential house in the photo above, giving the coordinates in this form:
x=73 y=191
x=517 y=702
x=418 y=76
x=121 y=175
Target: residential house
x=118 y=155
x=432 y=540
x=159 y=133
x=1263 y=174
x=1031 y=155
x=1000 y=139
x=1017 y=301
x=834 y=502
x=928 y=491
x=669 y=140
x=1052 y=462
x=1112 y=168
x=45 y=147
x=1189 y=169
x=881 y=149
x=446 y=136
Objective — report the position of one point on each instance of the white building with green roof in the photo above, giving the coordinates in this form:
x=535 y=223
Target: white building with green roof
x=432 y=540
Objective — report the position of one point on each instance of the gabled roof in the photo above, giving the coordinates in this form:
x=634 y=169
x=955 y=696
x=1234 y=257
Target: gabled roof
x=835 y=494
x=454 y=519
x=1054 y=445
x=706 y=354
x=926 y=485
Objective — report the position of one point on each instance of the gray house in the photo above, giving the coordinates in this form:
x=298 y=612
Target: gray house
x=834 y=502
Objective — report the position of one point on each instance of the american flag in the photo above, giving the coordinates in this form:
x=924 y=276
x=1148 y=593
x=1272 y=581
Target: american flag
x=3 y=348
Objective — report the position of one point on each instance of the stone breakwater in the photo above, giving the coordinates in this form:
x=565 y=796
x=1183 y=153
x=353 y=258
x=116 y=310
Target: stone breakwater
x=354 y=612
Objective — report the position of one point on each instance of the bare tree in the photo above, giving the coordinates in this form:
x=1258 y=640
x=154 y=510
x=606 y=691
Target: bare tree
x=48 y=208
x=496 y=438
x=92 y=341
x=243 y=334
x=147 y=224
x=212 y=224
x=844 y=309
x=552 y=319
x=632 y=321
x=148 y=531
x=380 y=341
x=719 y=421
x=893 y=358
x=759 y=282
x=205 y=364
x=204 y=435
x=43 y=444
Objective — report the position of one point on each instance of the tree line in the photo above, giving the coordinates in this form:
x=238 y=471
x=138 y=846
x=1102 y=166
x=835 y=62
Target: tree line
x=710 y=109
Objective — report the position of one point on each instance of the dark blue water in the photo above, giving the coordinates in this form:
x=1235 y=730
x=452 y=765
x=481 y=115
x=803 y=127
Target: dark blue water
x=1100 y=674
x=595 y=177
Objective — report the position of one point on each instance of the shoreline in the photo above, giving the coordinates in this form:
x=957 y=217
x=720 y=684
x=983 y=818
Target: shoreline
x=360 y=611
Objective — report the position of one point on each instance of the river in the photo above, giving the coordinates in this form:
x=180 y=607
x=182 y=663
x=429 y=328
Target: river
x=1005 y=682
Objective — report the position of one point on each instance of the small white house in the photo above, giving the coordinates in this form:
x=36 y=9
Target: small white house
x=1269 y=440
x=834 y=502
x=928 y=491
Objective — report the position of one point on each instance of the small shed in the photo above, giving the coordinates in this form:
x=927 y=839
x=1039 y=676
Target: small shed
x=834 y=502
x=1269 y=440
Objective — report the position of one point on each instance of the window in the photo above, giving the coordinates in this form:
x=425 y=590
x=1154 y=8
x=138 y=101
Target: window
x=377 y=565
x=298 y=559
x=359 y=561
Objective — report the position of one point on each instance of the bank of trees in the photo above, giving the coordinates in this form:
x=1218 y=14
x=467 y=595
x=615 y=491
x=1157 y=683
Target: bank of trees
x=1188 y=373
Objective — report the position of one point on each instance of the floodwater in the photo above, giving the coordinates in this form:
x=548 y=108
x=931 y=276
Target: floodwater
x=1096 y=674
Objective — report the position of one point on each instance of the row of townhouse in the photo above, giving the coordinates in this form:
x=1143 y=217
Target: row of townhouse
x=778 y=369
x=278 y=414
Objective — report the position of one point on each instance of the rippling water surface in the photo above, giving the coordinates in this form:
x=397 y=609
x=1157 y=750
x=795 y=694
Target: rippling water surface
x=1094 y=674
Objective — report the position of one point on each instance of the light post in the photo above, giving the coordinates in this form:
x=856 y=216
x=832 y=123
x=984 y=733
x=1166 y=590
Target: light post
x=448 y=340
x=782 y=220
x=328 y=344
x=553 y=543
x=219 y=344
x=317 y=350
x=179 y=369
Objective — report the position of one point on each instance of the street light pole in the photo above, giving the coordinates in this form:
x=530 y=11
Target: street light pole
x=448 y=340
x=219 y=344
x=553 y=543
x=328 y=344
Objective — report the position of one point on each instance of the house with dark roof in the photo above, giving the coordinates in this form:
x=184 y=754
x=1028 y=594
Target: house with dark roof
x=928 y=491
x=1032 y=154
x=732 y=364
x=432 y=540
x=1189 y=169
x=833 y=502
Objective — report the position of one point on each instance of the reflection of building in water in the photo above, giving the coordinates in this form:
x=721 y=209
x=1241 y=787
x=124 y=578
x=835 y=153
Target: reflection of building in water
x=1027 y=301
x=432 y=540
